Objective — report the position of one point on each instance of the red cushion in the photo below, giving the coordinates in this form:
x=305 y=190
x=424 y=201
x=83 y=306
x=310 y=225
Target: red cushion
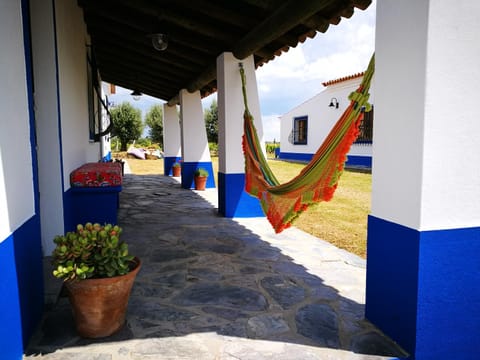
x=97 y=175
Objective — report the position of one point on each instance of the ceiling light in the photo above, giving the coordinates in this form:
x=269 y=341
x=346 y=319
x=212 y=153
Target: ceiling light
x=159 y=41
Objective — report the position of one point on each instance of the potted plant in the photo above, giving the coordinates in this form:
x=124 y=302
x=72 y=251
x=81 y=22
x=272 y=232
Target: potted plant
x=98 y=273
x=200 y=178
x=176 y=169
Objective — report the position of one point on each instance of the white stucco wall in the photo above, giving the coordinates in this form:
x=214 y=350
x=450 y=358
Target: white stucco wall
x=72 y=40
x=16 y=187
x=434 y=182
x=171 y=132
x=47 y=121
x=193 y=128
x=321 y=118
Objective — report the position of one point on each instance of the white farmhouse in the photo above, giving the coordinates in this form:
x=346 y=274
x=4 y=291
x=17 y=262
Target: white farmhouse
x=303 y=129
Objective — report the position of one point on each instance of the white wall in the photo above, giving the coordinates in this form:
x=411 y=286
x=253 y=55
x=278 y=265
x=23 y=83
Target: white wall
x=72 y=40
x=193 y=128
x=47 y=121
x=16 y=187
x=171 y=132
x=69 y=128
x=321 y=118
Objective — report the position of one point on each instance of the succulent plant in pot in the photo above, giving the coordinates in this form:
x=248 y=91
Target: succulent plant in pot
x=98 y=273
x=176 y=169
x=200 y=178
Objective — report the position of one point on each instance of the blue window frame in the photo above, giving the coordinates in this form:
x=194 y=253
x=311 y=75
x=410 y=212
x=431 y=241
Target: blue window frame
x=300 y=130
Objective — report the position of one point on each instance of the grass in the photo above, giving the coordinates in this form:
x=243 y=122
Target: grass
x=342 y=221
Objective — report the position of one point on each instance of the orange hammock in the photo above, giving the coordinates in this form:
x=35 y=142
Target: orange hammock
x=283 y=203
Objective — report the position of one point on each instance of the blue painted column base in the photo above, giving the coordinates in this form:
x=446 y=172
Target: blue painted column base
x=423 y=289
x=168 y=162
x=233 y=201
x=21 y=288
x=188 y=172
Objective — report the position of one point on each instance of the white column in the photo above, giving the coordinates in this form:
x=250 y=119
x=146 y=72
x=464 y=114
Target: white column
x=195 y=149
x=171 y=138
x=424 y=230
x=233 y=200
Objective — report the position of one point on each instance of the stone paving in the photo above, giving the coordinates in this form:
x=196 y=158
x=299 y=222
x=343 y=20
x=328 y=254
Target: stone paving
x=217 y=288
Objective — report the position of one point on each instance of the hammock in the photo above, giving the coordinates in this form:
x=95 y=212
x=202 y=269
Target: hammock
x=283 y=203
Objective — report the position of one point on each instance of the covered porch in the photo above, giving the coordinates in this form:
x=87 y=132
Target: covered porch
x=211 y=287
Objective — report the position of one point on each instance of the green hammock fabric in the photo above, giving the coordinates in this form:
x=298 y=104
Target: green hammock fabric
x=283 y=203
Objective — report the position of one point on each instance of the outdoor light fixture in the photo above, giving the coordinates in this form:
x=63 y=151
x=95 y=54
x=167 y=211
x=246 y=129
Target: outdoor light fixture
x=159 y=41
x=334 y=103
x=136 y=94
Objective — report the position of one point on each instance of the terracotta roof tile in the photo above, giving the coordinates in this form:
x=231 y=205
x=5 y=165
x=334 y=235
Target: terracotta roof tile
x=342 y=79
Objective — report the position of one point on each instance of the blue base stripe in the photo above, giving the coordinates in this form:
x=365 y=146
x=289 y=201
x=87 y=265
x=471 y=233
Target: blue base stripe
x=359 y=161
x=21 y=288
x=188 y=172
x=295 y=156
x=233 y=201
x=422 y=288
x=352 y=160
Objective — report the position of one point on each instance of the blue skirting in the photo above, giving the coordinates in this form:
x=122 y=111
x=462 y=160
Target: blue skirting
x=21 y=288
x=423 y=289
x=233 y=201
x=188 y=172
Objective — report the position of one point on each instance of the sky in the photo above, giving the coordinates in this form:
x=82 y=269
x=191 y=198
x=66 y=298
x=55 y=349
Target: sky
x=297 y=75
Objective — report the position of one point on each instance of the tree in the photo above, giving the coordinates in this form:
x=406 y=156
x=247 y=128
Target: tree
x=211 y=122
x=127 y=124
x=154 y=120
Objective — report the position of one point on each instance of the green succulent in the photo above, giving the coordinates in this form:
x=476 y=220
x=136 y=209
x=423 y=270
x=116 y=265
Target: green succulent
x=92 y=251
x=201 y=172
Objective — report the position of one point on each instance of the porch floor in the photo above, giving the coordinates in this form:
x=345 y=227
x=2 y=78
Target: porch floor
x=218 y=288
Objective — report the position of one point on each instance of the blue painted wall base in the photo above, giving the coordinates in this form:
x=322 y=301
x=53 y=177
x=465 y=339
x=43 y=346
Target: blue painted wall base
x=352 y=160
x=359 y=161
x=188 y=171
x=295 y=156
x=422 y=289
x=233 y=201
x=21 y=288
x=168 y=161
x=99 y=204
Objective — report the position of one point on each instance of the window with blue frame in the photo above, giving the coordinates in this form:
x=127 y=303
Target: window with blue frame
x=300 y=130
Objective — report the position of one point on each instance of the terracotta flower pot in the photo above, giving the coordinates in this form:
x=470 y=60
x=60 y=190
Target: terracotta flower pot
x=200 y=182
x=176 y=171
x=99 y=305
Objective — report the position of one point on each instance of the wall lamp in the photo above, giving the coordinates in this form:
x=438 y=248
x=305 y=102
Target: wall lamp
x=136 y=94
x=334 y=103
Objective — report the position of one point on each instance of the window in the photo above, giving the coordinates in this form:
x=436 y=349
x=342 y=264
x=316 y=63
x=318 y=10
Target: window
x=366 y=129
x=300 y=130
